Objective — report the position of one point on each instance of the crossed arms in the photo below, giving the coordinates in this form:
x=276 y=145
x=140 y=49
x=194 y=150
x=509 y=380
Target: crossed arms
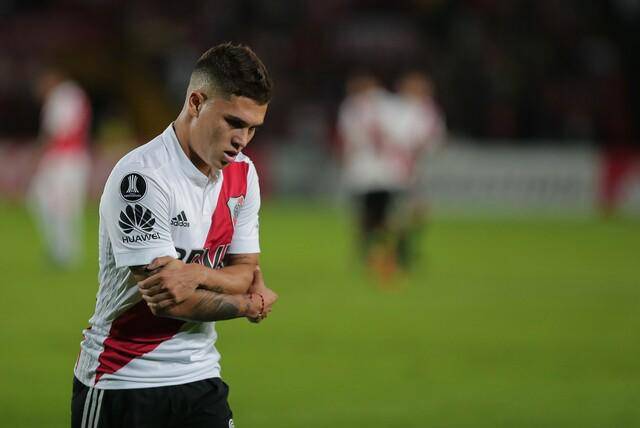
x=195 y=292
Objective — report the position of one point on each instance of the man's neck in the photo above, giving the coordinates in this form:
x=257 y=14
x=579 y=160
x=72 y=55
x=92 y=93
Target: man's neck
x=181 y=128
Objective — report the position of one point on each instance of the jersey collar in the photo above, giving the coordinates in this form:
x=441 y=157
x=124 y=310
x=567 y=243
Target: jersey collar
x=173 y=145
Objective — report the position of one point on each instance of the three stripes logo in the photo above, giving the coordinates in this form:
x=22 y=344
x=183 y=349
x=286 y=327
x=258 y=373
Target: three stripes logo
x=91 y=409
x=180 y=220
x=136 y=218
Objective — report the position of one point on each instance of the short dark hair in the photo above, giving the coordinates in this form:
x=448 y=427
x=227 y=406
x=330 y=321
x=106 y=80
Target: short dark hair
x=234 y=70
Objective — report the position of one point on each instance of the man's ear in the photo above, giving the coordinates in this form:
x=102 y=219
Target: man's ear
x=196 y=99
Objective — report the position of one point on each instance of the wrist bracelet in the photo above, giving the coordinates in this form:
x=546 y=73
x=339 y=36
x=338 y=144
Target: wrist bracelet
x=261 y=311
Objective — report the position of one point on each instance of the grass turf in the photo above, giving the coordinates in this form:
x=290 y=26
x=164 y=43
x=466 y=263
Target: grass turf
x=504 y=323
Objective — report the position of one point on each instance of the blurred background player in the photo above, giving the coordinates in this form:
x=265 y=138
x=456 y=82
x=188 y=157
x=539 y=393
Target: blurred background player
x=384 y=138
x=58 y=188
x=416 y=126
x=373 y=172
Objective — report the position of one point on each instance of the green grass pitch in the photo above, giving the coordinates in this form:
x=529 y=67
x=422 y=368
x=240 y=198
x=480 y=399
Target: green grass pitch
x=505 y=323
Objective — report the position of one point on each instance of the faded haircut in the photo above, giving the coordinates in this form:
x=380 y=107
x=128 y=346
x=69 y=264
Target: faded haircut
x=229 y=69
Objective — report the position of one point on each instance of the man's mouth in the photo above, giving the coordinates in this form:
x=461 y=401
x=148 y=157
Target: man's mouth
x=230 y=156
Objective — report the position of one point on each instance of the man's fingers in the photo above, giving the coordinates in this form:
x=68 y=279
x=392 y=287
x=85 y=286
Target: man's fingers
x=165 y=304
x=257 y=275
x=152 y=291
x=150 y=282
x=156 y=306
x=158 y=262
x=157 y=298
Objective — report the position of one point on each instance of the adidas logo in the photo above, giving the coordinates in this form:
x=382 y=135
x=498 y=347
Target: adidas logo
x=180 y=220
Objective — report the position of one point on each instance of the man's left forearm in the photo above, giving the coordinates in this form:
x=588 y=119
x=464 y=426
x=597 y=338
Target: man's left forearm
x=235 y=279
x=197 y=293
x=204 y=305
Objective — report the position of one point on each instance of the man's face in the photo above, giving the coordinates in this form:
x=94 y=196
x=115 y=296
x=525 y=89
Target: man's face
x=221 y=128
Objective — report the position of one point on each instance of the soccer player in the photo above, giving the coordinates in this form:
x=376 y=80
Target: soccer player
x=417 y=128
x=58 y=188
x=371 y=170
x=178 y=250
x=383 y=136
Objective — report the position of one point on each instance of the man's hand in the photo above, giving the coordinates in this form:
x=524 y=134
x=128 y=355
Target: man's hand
x=258 y=287
x=172 y=282
x=163 y=263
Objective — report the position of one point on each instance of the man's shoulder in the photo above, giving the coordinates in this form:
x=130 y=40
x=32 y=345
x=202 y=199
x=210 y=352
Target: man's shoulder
x=148 y=158
x=139 y=169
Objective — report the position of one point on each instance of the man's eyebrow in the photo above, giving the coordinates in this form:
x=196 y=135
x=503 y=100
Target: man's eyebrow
x=240 y=122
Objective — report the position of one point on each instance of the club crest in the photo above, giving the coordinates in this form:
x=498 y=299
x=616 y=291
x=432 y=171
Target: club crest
x=234 y=205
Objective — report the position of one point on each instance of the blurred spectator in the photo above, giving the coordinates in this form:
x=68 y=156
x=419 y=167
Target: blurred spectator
x=58 y=188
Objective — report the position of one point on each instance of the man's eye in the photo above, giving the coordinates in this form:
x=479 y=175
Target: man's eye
x=235 y=124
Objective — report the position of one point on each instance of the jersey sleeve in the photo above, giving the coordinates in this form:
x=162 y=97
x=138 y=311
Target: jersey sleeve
x=135 y=211
x=246 y=233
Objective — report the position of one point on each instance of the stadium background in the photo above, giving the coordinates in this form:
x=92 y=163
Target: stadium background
x=522 y=310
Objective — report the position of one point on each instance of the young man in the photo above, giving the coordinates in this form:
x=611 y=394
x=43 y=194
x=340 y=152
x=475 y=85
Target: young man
x=178 y=250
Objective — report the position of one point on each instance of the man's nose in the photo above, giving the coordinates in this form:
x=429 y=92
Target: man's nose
x=241 y=140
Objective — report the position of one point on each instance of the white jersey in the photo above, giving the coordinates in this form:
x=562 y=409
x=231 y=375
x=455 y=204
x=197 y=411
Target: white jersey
x=415 y=124
x=414 y=127
x=66 y=119
x=382 y=134
x=370 y=161
x=157 y=203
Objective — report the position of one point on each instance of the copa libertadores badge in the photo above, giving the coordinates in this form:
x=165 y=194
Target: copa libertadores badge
x=133 y=187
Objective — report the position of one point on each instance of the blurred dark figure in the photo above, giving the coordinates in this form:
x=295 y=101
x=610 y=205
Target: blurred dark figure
x=419 y=129
x=58 y=188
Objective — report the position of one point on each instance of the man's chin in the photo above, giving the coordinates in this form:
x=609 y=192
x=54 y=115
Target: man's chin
x=218 y=164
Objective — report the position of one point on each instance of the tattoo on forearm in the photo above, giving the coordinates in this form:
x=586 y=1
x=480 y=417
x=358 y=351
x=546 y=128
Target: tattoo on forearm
x=215 y=307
